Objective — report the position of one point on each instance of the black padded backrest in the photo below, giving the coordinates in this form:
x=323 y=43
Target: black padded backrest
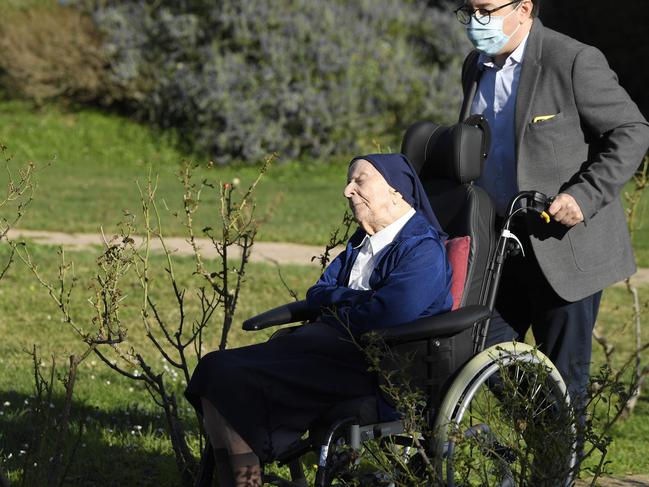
x=448 y=159
x=456 y=153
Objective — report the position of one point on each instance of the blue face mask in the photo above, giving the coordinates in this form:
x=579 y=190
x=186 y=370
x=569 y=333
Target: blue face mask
x=489 y=39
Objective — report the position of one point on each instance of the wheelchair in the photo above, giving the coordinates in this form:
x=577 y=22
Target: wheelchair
x=485 y=409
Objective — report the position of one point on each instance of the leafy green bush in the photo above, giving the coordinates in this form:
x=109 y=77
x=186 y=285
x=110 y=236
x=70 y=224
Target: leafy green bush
x=242 y=78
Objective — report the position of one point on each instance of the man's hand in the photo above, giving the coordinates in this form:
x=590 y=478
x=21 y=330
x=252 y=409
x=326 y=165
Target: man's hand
x=565 y=210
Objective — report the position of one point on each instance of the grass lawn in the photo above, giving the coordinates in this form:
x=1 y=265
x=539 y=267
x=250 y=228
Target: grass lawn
x=124 y=442
x=629 y=452
x=97 y=159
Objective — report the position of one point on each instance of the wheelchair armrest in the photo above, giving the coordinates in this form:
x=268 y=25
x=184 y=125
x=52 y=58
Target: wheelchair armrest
x=446 y=324
x=286 y=313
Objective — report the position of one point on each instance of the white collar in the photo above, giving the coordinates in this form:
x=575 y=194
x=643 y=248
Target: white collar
x=386 y=235
x=516 y=57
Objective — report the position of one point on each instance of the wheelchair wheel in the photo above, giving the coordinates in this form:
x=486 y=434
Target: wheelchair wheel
x=506 y=421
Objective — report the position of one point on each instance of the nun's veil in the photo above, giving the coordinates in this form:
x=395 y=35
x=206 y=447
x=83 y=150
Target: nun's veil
x=400 y=175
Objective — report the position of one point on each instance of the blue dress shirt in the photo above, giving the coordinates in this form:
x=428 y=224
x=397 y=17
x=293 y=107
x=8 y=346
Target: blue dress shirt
x=495 y=99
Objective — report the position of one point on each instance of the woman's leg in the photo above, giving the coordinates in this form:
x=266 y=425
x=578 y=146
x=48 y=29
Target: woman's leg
x=242 y=468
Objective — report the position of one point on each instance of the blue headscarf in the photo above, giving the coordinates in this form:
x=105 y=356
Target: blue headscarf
x=400 y=175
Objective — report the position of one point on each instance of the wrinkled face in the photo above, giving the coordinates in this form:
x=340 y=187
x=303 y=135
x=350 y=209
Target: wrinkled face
x=370 y=196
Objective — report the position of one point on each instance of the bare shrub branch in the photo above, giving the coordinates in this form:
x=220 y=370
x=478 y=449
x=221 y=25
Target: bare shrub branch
x=173 y=329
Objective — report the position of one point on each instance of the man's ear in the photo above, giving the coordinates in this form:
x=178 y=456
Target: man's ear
x=527 y=7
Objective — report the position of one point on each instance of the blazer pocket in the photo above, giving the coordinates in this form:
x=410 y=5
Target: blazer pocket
x=556 y=120
x=594 y=245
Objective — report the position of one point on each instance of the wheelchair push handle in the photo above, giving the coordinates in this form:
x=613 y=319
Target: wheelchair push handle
x=541 y=204
x=530 y=200
x=509 y=243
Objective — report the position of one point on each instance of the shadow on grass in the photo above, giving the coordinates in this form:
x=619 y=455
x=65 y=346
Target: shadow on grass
x=127 y=447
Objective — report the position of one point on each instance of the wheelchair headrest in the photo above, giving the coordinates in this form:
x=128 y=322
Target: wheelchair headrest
x=456 y=152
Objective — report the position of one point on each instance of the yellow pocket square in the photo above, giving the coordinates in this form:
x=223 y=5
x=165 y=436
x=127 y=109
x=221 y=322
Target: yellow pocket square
x=542 y=118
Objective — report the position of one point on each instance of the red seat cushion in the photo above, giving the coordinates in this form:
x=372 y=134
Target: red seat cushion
x=457 y=250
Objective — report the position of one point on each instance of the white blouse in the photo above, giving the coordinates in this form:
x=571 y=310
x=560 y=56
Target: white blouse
x=359 y=277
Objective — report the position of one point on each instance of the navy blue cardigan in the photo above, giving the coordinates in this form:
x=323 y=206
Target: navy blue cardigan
x=411 y=279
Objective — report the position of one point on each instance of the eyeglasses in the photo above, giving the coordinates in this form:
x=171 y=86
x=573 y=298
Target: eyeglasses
x=464 y=13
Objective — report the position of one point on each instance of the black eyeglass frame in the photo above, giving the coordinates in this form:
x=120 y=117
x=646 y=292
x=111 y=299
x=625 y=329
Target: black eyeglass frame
x=485 y=14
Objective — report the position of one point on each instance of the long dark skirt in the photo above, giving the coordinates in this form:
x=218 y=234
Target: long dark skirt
x=272 y=391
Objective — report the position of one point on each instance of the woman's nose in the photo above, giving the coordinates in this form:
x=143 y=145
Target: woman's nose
x=349 y=189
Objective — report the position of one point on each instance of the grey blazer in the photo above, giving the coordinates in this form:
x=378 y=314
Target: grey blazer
x=589 y=149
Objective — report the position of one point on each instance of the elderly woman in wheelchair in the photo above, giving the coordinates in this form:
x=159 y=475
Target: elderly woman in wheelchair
x=485 y=410
x=256 y=401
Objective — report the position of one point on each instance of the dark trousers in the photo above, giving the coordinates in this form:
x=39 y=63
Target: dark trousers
x=562 y=330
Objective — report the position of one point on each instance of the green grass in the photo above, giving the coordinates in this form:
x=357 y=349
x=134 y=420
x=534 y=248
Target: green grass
x=98 y=158
x=641 y=232
x=629 y=452
x=10 y=6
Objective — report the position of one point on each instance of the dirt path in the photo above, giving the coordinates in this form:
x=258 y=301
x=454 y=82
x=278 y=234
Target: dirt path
x=276 y=252
x=281 y=253
x=634 y=481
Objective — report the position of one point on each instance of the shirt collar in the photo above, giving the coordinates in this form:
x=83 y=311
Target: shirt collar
x=516 y=57
x=386 y=235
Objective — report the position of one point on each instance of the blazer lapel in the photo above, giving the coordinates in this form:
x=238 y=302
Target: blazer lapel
x=530 y=73
x=470 y=83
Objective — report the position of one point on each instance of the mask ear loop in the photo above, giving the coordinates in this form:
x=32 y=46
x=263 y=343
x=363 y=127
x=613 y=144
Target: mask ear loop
x=519 y=24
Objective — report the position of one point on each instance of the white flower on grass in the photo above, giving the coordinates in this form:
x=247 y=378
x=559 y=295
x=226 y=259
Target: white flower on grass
x=236 y=182
x=107 y=382
x=138 y=427
x=6 y=404
x=22 y=452
x=92 y=377
x=10 y=456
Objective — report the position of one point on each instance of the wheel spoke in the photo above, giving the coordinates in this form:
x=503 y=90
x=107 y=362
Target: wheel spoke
x=510 y=423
